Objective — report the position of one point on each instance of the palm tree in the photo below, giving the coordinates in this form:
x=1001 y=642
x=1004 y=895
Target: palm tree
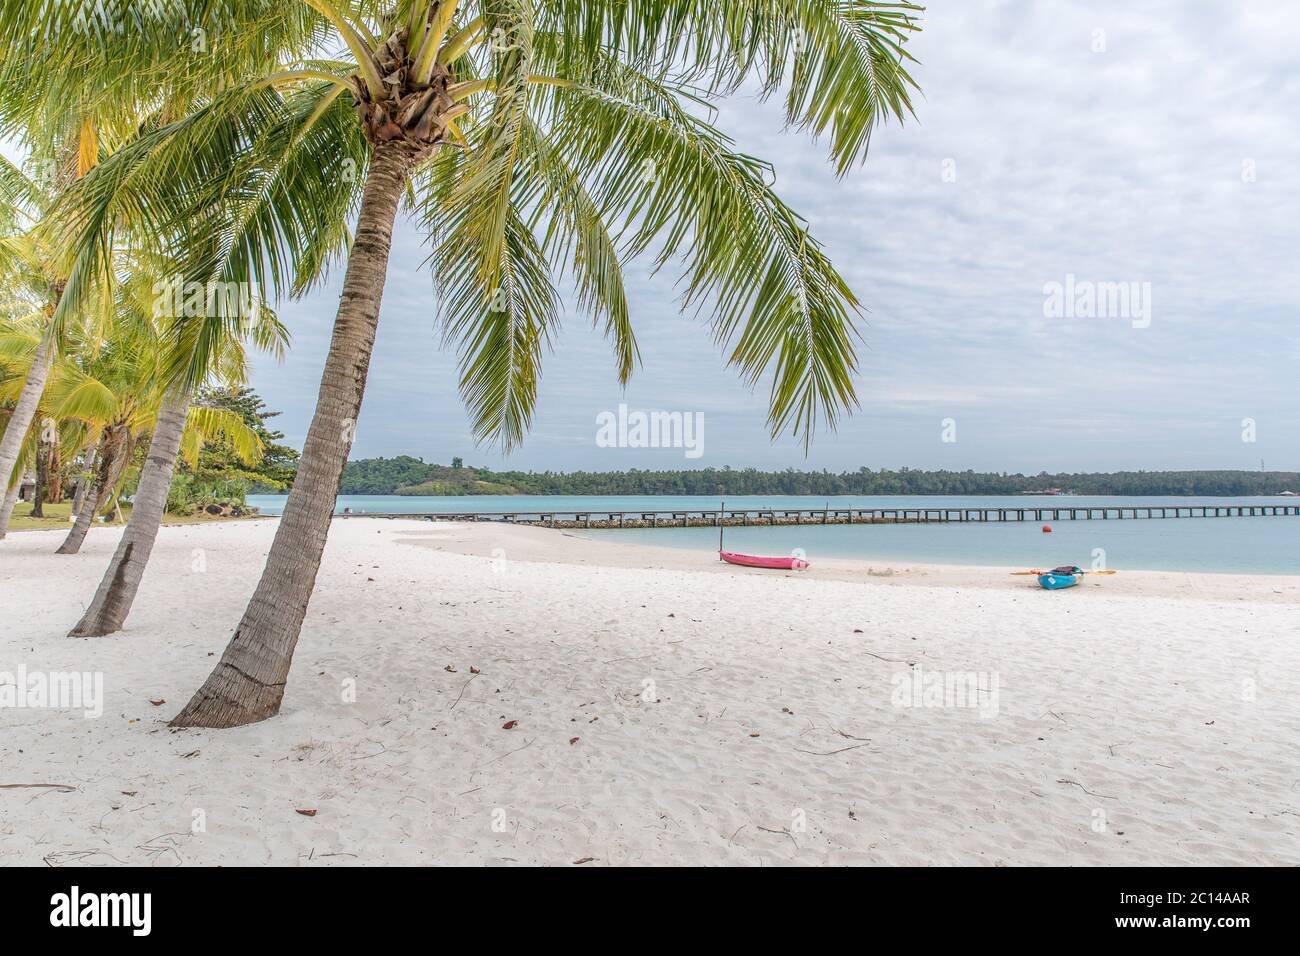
x=81 y=76
x=531 y=137
x=21 y=331
x=123 y=388
x=24 y=268
x=76 y=398
x=220 y=339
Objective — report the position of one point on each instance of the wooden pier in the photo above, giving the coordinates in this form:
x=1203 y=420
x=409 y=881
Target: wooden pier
x=757 y=517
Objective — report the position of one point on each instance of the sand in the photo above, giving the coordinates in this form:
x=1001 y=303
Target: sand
x=663 y=709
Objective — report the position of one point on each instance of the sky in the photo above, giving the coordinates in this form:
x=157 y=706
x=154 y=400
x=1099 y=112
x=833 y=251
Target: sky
x=1077 y=143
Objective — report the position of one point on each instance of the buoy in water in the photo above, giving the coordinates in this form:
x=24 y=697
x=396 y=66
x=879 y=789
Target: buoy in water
x=1047 y=529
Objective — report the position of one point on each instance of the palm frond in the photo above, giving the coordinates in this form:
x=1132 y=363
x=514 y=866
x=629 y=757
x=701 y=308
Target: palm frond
x=20 y=197
x=18 y=340
x=500 y=319
x=775 y=300
x=843 y=62
x=252 y=188
x=481 y=200
x=206 y=423
x=578 y=237
x=118 y=60
x=77 y=395
x=849 y=70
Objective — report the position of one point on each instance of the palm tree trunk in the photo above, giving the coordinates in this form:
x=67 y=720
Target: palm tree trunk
x=21 y=418
x=42 y=476
x=83 y=481
x=7 y=509
x=247 y=685
x=56 y=470
x=117 y=590
x=107 y=471
x=85 y=515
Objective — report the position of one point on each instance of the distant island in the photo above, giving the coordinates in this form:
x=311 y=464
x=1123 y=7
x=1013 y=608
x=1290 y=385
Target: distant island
x=405 y=475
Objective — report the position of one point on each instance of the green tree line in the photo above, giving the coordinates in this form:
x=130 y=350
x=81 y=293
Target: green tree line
x=405 y=475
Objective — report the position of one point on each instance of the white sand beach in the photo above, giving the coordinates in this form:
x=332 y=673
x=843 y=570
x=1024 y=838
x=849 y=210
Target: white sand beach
x=662 y=709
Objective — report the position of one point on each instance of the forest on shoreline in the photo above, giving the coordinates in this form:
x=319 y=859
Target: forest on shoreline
x=406 y=475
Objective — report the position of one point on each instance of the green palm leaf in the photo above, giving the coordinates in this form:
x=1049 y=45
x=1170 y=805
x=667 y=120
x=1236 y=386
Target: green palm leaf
x=774 y=298
x=206 y=423
x=577 y=236
x=499 y=318
x=77 y=395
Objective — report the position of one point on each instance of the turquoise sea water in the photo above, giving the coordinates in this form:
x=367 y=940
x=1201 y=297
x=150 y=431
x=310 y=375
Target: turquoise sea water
x=1261 y=545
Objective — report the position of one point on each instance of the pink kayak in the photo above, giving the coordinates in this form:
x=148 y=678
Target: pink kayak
x=755 y=561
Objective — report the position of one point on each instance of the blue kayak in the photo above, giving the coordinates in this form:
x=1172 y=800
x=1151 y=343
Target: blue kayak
x=1058 y=578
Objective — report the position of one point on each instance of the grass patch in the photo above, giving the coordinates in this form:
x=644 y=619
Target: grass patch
x=56 y=516
x=60 y=517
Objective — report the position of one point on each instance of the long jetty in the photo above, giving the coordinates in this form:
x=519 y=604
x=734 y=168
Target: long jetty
x=745 y=517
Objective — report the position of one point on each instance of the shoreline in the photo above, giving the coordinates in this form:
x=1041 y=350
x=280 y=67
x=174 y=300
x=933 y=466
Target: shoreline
x=546 y=545
x=1253 y=545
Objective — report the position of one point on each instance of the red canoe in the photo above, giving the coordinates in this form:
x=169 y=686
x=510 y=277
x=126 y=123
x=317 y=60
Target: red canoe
x=755 y=561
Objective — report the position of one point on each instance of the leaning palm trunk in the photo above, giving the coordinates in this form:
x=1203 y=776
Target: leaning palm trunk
x=42 y=477
x=56 y=471
x=117 y=590
x=84 y=516
x=84 y=479
x=21 y=418
x=247 y=685
x=114 y=453
x=7 y=509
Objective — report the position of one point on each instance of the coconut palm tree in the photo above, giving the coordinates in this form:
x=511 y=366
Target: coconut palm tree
x=121 y=390
x=79 y=77
x=180 y=424
x=76 y=397
x=80 y=396
x=24 y=269
x=19 y=339
x=530 y=138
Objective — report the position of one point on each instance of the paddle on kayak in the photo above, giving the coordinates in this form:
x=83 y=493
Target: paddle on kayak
x=1062 y=577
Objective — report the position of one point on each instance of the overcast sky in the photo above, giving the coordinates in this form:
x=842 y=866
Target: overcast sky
x=1146 y=142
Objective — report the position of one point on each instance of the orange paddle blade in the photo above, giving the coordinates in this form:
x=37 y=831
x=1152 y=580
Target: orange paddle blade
x=1049 y=572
